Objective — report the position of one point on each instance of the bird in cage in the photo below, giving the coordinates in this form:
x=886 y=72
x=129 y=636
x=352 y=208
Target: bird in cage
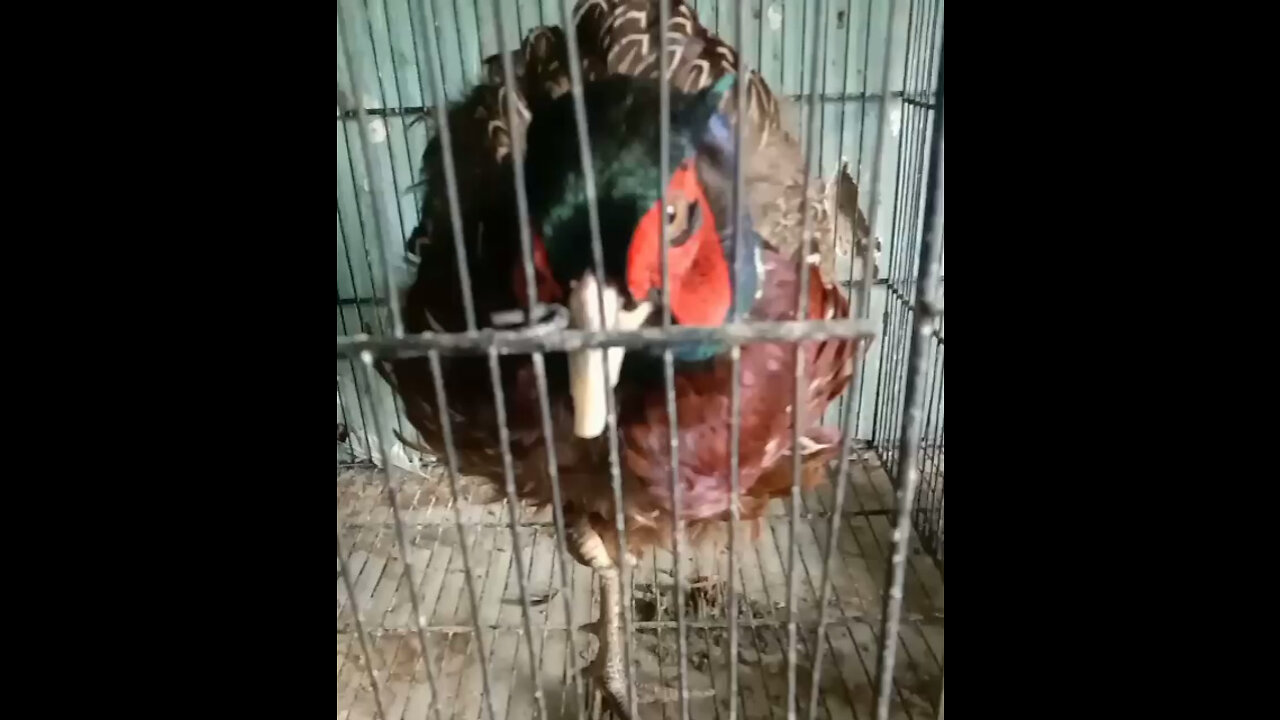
x=712 y=279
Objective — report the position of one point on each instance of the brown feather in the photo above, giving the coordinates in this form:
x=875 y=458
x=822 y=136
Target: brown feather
x=481 y=139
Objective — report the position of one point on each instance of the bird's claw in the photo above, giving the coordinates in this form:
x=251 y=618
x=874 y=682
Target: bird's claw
x=612 y=694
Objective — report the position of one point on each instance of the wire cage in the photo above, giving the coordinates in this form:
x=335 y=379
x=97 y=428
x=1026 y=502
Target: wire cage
x=455 y=600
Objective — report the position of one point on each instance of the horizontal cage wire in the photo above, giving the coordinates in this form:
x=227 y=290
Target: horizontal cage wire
x=458 y=597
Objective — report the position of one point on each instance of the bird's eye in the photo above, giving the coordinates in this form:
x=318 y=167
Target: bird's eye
x=686 y=223
x=681 y=216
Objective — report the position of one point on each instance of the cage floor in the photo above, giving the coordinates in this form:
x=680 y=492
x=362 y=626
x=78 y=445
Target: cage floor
x=850 y=647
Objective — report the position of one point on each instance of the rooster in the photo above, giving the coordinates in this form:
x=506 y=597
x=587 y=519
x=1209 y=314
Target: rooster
x=707 y=273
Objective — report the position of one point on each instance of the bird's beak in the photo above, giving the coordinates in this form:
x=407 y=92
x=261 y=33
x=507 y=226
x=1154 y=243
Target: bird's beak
x=586 y=367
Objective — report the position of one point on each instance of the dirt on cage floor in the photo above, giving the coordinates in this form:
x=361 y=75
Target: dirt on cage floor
x=849 y=653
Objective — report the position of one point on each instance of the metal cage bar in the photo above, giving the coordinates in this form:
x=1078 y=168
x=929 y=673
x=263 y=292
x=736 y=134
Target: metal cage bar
x=373 y=172
x=798 y=396
x=907 y=415
x=495 y=376
x=668 y=362
x=597 y=264
x=913 y=399
x=920 y=71
x=358 y=619
x=735 y=368
x=851 y=409
x=376 y=201
x=402 y=539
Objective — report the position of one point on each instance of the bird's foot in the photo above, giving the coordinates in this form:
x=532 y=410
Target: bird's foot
x=607 y=673
x=606 y=682
x=606 y=676
x=609 y=688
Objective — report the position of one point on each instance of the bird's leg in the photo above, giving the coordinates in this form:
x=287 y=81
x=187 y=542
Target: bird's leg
x=608 y=669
